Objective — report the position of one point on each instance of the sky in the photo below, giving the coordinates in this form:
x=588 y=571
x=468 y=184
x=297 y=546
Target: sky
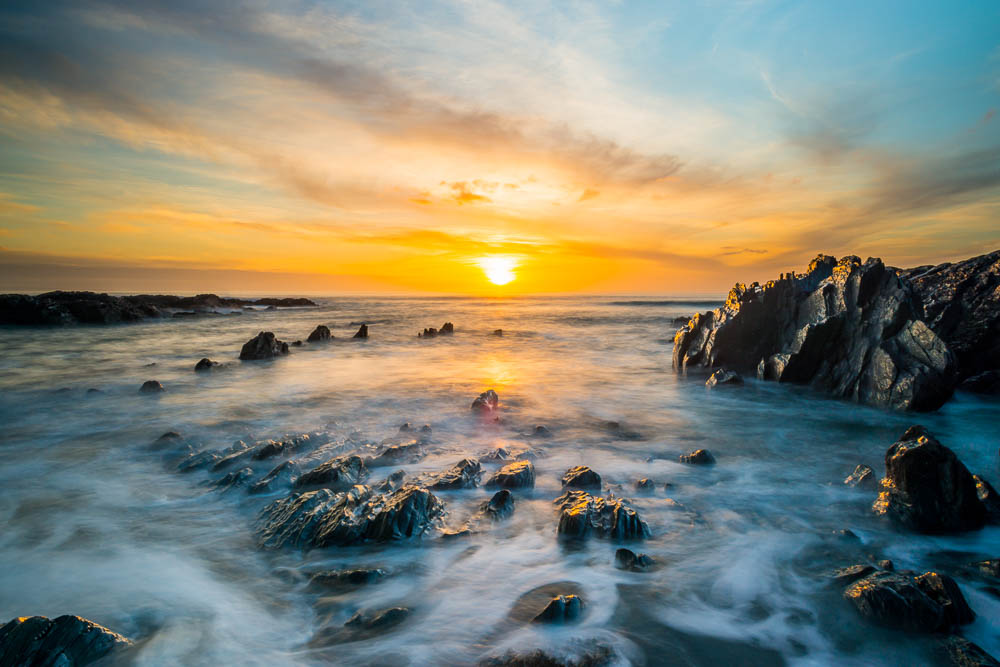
x=585 y=147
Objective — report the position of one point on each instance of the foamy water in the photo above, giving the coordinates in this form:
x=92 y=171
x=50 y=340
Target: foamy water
x=98 y=524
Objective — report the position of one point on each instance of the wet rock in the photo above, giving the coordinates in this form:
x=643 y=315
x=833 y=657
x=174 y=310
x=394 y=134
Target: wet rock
x=94 y=390
x=405 y=428
x=681 y=320
x=988 y=497
x=263 y=346
x=960 y=652
x=846 y=535
x=581 y=477
x=205 y=364
x=362 y=331
x=517 y=475
x=263 y=450
x=862 y=477
x=618 y=431
x=65 y=641
x=296 y=343
x=925 y=604
x=848 y=575
x=392 y=482
x=236 y=479
x=626 y=559
x=497 y=332
x=499 y=507
x=541 y=432
x=581 y=514
x=487 y=404
x=168 y=439
x=698 y=457
x=408 y=452
x=322 y=518
x=886 y=565
x=281 y=476
x=344 y=578
x=561 y=609
x=463 y=475
x=498 y=454
x=446 y=330
x=645 y=484
x=926 y=488
x=854 y=330
x=426 y=430
x=724 y=376
x=336 y=473
x=151 y=387
x=989 y=567
x=987 y=382
x=428 y=333
x=380 y=620
x=593 y=655
x=320 y=334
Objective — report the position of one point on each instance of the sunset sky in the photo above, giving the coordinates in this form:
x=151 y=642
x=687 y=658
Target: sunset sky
x=629 y=147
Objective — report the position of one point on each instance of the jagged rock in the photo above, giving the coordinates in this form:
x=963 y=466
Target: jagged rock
x=282 y=475
x=486 y=404
x=962 y=305
x=167 y=439
x=724 y=376
x=886 y=565
x=863 y=477
x=497 y=332
x=541 y=432
x=498 y=454
x=262 y=450
x=499 y=507
x=626 y=559
x=645 y=484
x=581 y=514
x=323 y=518
x=617 y=430
x=960 y=652
x=988 y=497
x=447 y=328
x=848 y=575
x=380 y=620
x=263 y=346
x=591 y=655
x=850 y=329
x=66 y=641
x=407 y=452
x=926 y=487
x=462 y=475
x=205 y=364
x=581 y=477
x=362 y=331
x=151 y=387
x=924 y=604
x=336 y=473
x=698 y=456
x=341 y=578
x=234 y=480
x=319 y=334
x=517 y=475
x=987 y=382
x=561 y=609
x=428 y=333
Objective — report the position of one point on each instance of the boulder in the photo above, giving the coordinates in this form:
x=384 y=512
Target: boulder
x=929 y=603
x=151 y=387
x=487 y=404
x=581 y=477
x=581 y=514
x=698 y=457
x=336 y=473
x=960 y=652
x=319 y=334
x=961 y=303
x=988 y=497
x=463 y=475
x=845 y=576
x=561 y=609
x=497 y=332
x=345 y=578
x=645 y=485
x=862 y=477
x=283 y=475
x=724 y=376
x=926 y=487
x=499 y=507
x=379 y=620
x=626 y=559
x=263 y=346
x=851 y=329
x=407 y=452
x=236 y=479
x=67 y=641
x=517 y=475
x=362 y=331
x=541 y=432
x=322 y=518
x=205 y=364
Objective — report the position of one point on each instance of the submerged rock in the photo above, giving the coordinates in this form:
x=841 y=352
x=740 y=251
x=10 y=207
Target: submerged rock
x=698 y=457
x=336 y=473
x=863 y=477
x=960 y=652
x=561 y=609
x=851 y=329
x=282 y=475
x=362 y=331
x=407 y=452
x=517 y=475
x=590 y=655
x=319 y=334
x=446 y=330
x=645 y=484
x=626 y=559
x=928 y=603
x=379 y=620
x=66 y=641
x=342 y=578
x=581 y=514
x=234 y=480
x=499 y=507
x=581 y=477
x=541 y=432
x=498 y=333
x=463 y=475
x=723 y=376
x=323 y=518
x=486 y=404
x=263 y=346
x=205 y=364
x=151 y=387
x=926 y=487
x=848 y=575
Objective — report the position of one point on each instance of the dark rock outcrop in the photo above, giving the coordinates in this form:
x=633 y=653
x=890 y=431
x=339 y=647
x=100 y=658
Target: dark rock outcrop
x=487 y=404
x=319 y=334
x=541 y=432
x=205 y=364
x=336 y=473
x=517 y=475
x=379 y=620
x=854 y=330
x=66 y=641
x=446 y=330
x=581 y=514
x=626 y=559
x=263 y=346
x=698 y=457
x=499 y=507
x=561 y=609
x=407 y=452
x=862 y=477
x=323 y=518
x=724 y=376
x=987 y=382
x=989 y=498
x=151 y=387
x=962 y=305
x=463 y=475
x=282 y=475
x=645 y=485
x=928 y=603
x=960 y=652
x=926 y=487
x=581 y=477
x=845 y=576
x=362 y=332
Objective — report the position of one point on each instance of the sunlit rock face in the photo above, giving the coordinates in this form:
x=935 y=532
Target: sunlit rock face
x=581 y=514
x=853 y=329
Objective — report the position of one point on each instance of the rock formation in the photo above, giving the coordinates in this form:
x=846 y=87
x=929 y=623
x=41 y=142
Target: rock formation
x=581 y=514
x=319 y=334
x=68 y=641
x=517 y=475
x=263 y=346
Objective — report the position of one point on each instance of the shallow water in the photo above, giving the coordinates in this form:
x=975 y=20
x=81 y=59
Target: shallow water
x=98 y=524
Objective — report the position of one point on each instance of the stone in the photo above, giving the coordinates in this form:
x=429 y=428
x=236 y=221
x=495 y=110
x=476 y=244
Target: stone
x=320 y=334
x=853 y=330
x=698 y=457
x=263 y=346
x=988 y=497
x=497 y=332
x=925 y=604
x=487 y=404
x=281 y=476
x=463 y=475
x=336 y=473
x=66 y=641
x=645 y=484
x=205 y=364
x=447 y=328
x=541 y=432
x=960 y=652
x=942 y=589
x=379 y=620
x=724 y=376
x=926 y=488
x=151 y=387
x=236 y=479
x=517 y=475
x=987 y=382
x=848 y=575
x=407 y=452
x=362 y=331
x=499 y=507
x=561 y=609
x=862 y=477
x=581 y=514
x=343 y=578
x=581 y=477
x=626 y=559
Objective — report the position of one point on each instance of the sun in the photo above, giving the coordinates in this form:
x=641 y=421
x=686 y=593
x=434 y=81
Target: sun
x=499 y=270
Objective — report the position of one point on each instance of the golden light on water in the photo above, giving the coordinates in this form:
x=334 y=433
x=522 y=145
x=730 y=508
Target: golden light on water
x=499 y=269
